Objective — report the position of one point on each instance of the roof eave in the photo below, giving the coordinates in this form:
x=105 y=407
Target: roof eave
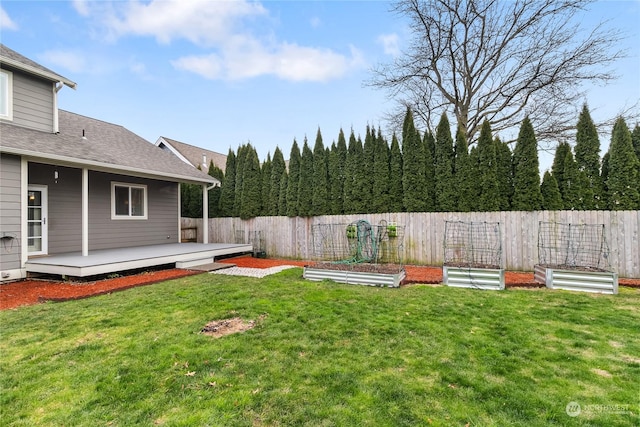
x=41 y=73
x=107 y=167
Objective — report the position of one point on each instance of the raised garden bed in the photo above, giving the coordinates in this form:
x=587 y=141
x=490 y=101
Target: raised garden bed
x=385 y=275
x=576 y=279
x=474 y=277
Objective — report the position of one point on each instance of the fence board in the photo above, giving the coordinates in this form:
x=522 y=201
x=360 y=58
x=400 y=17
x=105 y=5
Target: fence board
x=424 y=233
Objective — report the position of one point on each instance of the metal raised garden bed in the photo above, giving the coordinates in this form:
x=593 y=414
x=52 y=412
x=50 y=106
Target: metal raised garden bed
x=605 y=282
x=355 y=277
x=475 y=278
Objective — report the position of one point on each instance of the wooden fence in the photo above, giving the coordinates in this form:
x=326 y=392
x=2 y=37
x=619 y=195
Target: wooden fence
x=424 y=234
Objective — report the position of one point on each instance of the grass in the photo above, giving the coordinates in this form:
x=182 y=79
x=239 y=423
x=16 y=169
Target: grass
x=324 y=354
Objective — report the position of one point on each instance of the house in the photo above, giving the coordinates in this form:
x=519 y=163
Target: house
x=192 y=155
x=80 y=196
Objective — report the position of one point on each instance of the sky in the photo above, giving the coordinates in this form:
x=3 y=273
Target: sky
x=218 y=74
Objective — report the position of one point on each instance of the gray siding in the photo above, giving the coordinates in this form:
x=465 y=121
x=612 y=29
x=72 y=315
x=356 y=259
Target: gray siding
x=64 y=205
x=10 y=212
x=160 y=227
x=32 y=102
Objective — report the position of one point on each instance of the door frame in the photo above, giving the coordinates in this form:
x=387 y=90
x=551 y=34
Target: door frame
x=43 y=189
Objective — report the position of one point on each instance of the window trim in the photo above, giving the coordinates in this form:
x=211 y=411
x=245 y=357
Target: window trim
x=8 y=95
x=143 y=187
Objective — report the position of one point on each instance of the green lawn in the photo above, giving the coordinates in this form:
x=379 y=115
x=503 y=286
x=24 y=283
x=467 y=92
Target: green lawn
x=324 y=354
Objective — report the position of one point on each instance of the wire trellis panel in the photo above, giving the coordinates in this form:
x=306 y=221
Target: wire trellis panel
x=581 y=246
x=472 y=244
x=358 y=242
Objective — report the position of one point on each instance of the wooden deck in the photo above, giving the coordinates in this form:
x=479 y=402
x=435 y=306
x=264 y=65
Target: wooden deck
x=107 y=261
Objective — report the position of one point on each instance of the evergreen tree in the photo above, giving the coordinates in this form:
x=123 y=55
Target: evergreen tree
x=215 y=193
x=240 y=159
x=251 y=202
x=463 y=174
x=395 y=176
x=380 y=172
x=337 y=160
x=293 y=180
x=571 y=190
x=414 y=183
x=366 y=168
x=505 y=174
x=557 y=167
x=265 y=174
x=194 y=198
x=526 y=170
x=623 y=181
x=228 y=190
x=444 y=155
x=487 y=162
x=282 y=203
x=551 y=198
x=353 y=185
x=320 y=179
x=635 y=140
x=305 y=185
x=587 y=156
x=278 y=166
x=429 y=192
x=604 y=177
x=475 y=188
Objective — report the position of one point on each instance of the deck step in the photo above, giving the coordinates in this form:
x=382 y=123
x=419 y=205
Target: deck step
x=212 y=266
x=193 y=262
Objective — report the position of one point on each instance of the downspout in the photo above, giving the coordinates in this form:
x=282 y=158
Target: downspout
x=56 y=89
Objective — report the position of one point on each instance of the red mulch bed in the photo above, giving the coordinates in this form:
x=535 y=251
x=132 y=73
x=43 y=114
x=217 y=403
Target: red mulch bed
x=28 y=292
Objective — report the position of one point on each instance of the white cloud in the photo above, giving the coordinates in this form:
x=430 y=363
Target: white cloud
x=82 y=7
x=223 y=30
x=6 y=23
x=390 y=43
x=285 y=61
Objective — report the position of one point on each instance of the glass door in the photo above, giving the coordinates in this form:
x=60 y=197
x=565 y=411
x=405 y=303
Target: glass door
x=37 y=219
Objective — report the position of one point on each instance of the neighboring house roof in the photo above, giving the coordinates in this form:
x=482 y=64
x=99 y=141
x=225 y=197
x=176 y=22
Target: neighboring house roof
x=193 y=155
x=105 y=146
x=14 y=59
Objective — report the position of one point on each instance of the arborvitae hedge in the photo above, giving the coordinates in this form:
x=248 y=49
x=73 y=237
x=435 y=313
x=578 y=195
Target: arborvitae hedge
x=526 y=171
x=587 y=156
x=320 y=179
x=294 y=180
x=446 y=194
x=551 y=198
x=623 y=182
x=414 y=183
x=305 y=185
x=487 y=164
x=278 y=166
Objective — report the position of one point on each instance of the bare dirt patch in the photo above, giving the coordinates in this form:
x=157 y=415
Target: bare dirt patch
x=602 y=373
x=224 y=327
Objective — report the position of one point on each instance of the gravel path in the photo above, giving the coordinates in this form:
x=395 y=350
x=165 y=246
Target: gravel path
x=252 y=272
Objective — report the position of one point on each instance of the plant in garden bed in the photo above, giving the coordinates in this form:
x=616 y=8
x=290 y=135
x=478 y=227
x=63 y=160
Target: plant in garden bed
x=324 y=353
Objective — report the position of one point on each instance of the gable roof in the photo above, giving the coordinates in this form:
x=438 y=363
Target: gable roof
x=14 y=59
x=191 y=154
x=105 y=146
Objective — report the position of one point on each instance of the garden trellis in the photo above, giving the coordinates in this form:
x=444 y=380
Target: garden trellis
x=358 y=242
x=573 y=246
x=473 y=244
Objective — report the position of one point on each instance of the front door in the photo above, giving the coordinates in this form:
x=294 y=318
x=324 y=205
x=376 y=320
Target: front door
x=37 y=219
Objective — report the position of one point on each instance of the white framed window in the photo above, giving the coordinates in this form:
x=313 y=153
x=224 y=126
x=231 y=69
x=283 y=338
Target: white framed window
x=6 y=95
x=128 y=201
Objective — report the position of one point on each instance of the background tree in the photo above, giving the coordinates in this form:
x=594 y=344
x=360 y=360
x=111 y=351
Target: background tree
x=622 y=181
x=429 y=192
x=240 y=159
x=487 y=166
x=497 y=61
x=571 y=189
x=282 y=203
x=278 y=166
x=227 y=192
x=368 y=158
x=635 y=140
x=443 y=166
x=604 y=177
x=251 y=200
x=395 y=176
x=305 y=185
x=337 y=160
x=380 y=173
x=551 y=198
x=215 y=193
x=320 y=179
x=587 y=155
x=414 y=184
x=463 y=174
x=504 y=166
x=557 y=167
x=294 y=180
x=265 y=192
x=526 y=171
